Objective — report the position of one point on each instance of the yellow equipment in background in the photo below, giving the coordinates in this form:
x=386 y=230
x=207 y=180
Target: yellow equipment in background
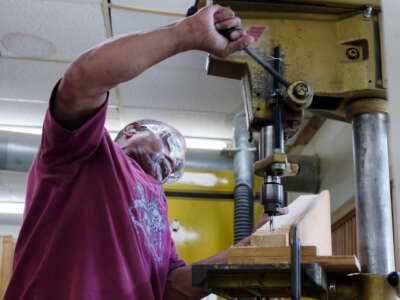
x=201 y=215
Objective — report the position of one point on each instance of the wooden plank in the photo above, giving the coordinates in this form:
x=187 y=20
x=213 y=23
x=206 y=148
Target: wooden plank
x=346 y=208
x=308 y=132
x=269 y=251
x=332 y=264
x=342 y=263
x=311 y=214
x=266 y=259
x=266 y=238
x=6 y=261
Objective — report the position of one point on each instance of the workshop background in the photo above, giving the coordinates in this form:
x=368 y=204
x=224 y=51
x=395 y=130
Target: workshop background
x=38 y=40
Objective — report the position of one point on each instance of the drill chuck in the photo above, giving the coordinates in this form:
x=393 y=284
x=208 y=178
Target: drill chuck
x=272 y=197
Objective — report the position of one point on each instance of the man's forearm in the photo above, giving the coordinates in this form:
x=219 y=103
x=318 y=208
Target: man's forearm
x=84 y=85
x=123 y=58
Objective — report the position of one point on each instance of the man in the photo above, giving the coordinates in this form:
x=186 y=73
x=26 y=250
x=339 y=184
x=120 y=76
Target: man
x=95 y=222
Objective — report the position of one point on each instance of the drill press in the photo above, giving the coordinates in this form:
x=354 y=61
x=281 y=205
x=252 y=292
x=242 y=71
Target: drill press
x=286 y=110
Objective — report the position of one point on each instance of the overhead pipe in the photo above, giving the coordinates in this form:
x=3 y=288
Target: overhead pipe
x=17 y=151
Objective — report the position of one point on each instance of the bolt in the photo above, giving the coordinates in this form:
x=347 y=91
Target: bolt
x=352 y=53
x=367 y=13
x=393 y=279
x=301 y=90
x=332 y=287
x=175 y=225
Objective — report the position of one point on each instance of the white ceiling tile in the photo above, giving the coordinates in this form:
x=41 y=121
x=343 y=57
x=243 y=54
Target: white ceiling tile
x=58 y=30
x=179 y=6
x=126 y=21
x=30 y=79
x=182 y=89
x=75 y=1
x=32 y=113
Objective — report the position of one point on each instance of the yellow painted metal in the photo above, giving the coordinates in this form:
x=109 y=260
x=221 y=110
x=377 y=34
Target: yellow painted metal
x=261 y=167
x=315 y=51
x=336 y=53
x=205 y=181
x=206 y=224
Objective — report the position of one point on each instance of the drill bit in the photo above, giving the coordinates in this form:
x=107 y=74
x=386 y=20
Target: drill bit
x=271 y=223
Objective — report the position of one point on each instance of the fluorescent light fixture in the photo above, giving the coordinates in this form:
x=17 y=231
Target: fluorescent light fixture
x=22 y=129
x=203 y=143
x=12 y=208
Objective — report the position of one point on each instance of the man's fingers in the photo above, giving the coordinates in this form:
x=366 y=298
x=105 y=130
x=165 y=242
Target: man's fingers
x=223 y=13
x=283 y=210
x=239 y=43
x=228 y=23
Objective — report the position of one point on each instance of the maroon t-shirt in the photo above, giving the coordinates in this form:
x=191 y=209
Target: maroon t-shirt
x=95 y=224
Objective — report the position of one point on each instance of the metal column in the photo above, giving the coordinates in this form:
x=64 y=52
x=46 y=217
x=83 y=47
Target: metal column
x=373 y=201
x=244 y=182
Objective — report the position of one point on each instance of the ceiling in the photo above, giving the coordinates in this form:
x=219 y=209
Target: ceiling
x=39 y=38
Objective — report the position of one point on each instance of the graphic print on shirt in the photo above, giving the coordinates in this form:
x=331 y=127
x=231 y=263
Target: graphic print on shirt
x=148 y=220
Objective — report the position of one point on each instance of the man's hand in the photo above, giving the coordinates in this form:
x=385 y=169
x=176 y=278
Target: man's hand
x=201 y=31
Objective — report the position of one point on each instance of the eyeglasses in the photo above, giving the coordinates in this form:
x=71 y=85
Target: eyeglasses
x=174 y=145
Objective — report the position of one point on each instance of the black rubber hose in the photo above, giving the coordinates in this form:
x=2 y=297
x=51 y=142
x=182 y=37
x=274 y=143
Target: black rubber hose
x=243 y=212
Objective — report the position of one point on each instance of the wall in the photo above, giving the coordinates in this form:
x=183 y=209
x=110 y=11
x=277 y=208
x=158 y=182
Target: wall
x=391 y=24
x=333 y=144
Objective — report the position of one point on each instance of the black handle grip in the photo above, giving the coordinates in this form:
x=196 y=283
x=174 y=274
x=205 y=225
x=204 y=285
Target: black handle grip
x=227 y=32
x=191 y=11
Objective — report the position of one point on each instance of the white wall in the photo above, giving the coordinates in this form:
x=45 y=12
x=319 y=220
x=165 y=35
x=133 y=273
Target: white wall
x=391 y=35
x=333 y=144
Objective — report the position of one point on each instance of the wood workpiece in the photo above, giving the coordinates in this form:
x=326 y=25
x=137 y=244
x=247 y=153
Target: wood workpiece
x=311 y=215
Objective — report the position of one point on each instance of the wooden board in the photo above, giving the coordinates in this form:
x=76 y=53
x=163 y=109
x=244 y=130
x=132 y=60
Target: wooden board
x=7 y=245
x=311 y=214
x=268 y=251
x=272 y=255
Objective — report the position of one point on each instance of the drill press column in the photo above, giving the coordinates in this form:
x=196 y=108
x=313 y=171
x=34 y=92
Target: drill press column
x=373 y=202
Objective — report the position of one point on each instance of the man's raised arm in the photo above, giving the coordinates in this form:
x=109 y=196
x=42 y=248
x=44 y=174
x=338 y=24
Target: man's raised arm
x=84 y=86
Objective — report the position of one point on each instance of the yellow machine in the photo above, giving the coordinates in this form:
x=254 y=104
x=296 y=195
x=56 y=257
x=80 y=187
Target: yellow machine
x=331 y=49
x=201 y=217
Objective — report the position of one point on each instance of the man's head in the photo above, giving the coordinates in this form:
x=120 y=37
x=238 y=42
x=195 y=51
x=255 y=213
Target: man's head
x=156 y=146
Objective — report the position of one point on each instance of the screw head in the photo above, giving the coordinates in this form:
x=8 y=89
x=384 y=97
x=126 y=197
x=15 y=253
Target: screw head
x=332 y=287
x=301 y=90
x=352 y=53
x=368 y=11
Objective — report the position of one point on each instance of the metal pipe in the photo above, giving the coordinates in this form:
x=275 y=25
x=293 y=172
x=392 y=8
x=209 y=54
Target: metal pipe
x=373 y=202
x=266 y=145
x=244 y=182
x=244 y=156
x=295 y=266
x=17 y=150
x=252 y=53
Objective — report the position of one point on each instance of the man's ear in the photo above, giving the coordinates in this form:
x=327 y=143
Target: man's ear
x=129 y=130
